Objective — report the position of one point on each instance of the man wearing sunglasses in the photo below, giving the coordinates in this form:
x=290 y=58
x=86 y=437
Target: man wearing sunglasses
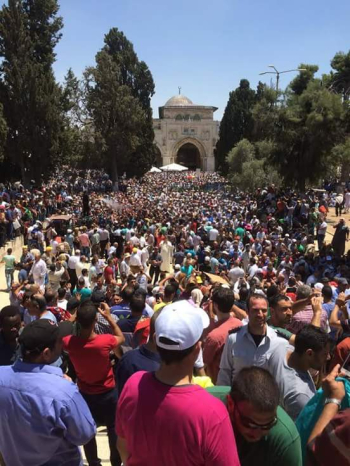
x=265 y=434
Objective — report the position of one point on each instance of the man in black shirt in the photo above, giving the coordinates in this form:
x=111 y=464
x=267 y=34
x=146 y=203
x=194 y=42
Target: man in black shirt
x=10 y=323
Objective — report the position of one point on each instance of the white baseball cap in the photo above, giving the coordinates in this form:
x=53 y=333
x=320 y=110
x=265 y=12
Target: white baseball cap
x=181 y=323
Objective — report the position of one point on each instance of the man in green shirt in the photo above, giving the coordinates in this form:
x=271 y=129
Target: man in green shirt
x=281 y=315
x=265 y=434
x=9 y=261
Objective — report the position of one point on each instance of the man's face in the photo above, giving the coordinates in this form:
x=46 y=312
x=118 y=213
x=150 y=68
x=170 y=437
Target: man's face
x=251 y=423
x=282 y=313
x=257 y=312
x=318 y=359
x=10 y=327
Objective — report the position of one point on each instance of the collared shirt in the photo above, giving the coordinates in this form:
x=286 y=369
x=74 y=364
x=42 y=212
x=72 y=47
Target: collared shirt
x=304 y=317
x=43 y=417
x=139 y=359
x=241 y=351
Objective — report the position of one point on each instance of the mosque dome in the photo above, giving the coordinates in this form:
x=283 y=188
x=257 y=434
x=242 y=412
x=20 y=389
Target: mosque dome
x=179 y=101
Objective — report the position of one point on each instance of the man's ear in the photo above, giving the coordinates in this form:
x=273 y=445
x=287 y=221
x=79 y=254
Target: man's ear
x=46 y=354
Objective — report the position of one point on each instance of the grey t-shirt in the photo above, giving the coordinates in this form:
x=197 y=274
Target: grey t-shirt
x=296 y=387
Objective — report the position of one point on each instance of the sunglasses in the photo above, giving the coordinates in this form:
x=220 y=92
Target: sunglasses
x=246 y=422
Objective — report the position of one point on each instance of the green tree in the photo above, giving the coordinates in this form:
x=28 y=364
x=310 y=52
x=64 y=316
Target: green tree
x=236 y=123
x=308 y=127
x=249 y=167
x=340 y=77
x=300 y=82
x=29 y=31
x=341 y=154
x=119 y=91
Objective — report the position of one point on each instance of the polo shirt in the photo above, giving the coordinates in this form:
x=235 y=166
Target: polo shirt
x=214 y=345
x=43 y=417
x=280 y=447
x=139 y=359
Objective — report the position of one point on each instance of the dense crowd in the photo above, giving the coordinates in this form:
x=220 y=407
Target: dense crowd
x=195 y=322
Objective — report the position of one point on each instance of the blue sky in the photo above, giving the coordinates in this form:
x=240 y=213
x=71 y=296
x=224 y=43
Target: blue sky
x=207 y=46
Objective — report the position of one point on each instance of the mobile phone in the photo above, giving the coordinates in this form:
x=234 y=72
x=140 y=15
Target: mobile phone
x=346 y=366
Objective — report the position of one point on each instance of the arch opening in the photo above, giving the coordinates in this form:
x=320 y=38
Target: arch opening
x=189 y=156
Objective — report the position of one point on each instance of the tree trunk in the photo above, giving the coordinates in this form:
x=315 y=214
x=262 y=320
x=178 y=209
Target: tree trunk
x=114 y=172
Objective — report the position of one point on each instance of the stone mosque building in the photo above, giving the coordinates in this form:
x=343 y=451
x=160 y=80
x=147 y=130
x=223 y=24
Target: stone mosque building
x=186 y=133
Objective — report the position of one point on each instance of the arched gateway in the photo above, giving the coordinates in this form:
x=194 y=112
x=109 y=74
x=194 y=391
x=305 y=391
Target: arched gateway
x=186 y=133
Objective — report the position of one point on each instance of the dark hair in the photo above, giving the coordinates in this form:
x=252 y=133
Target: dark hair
x=243 y=293
x=310 y=337
x=276 y=299
x=137 y=303
x=172 y=357
x=327 y=292
x=257 y=386
x=50 y=295
x=127 y=293
x=224 y=299
x=256 y=296
x=86 y=314
x=40 y=301
x=8 y=311
x=169 y=290
x=271 y=291
x=61 y=293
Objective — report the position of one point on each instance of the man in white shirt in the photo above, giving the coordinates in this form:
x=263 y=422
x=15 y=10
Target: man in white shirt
x=38 y=271
x=321 y=234
x=213 y=234
x=72 y=263
x=235 y=273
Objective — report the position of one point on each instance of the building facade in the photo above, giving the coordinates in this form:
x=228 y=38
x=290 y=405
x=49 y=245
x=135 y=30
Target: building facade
x=186 y=133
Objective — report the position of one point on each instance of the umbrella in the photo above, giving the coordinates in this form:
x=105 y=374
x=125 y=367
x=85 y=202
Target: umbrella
x=154 y=170
x=173 y=167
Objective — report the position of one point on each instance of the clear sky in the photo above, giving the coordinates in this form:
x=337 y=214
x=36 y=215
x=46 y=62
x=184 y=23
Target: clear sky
x=207 y=46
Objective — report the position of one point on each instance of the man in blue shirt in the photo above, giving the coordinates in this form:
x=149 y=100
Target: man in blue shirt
x=144 y=358
x=43 y=416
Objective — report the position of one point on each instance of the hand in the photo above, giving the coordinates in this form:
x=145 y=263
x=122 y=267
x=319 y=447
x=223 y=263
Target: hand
x=340 y=301
x=333 y=388
x=316 y=303
x=104 y=310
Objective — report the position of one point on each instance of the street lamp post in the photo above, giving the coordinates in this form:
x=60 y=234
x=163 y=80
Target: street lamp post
x=277 y=73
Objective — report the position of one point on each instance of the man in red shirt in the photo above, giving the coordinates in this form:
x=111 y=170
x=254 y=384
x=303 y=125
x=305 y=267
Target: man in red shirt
x=90 y=356
x=162 y=419
x=223 y=300
x=109 y=272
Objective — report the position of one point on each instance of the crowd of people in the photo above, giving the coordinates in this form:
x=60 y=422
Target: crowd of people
x=193 y=321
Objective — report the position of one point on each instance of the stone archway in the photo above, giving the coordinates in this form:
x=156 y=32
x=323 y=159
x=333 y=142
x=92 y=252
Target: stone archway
x=190 y=153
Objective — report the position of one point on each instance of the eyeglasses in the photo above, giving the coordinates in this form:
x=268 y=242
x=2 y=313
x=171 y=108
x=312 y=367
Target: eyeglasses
x=252 y=425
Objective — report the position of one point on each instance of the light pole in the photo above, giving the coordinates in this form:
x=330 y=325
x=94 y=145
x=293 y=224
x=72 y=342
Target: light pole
x=277 y=73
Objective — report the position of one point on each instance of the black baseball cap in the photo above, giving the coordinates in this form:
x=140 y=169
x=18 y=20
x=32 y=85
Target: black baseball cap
x=43 y=333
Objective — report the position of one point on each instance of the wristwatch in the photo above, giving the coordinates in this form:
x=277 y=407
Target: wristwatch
x=334 y=401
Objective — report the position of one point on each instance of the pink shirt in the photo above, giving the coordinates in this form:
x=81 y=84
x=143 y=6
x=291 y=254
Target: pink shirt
x=214 y=345
x=173 y=426
x=84 y=240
